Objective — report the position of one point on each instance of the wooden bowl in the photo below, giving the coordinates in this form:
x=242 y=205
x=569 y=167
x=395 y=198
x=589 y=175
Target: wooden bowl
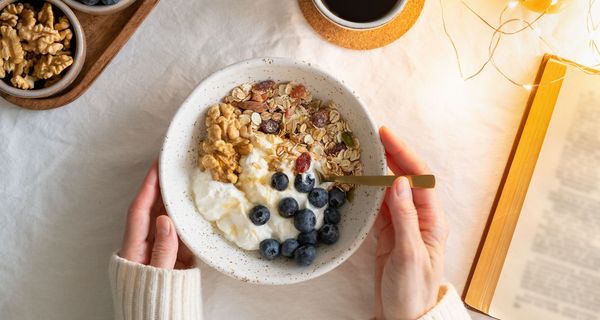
x=100 y=9
x=71 y=73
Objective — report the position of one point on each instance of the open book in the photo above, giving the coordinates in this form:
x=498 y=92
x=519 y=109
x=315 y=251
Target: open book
x=540 y=256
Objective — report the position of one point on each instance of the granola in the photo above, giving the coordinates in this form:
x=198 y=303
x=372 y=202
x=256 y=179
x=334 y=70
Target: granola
x=285 y=109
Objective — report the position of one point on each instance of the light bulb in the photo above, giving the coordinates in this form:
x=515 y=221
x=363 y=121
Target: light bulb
x=513 y=4
x=528 y=87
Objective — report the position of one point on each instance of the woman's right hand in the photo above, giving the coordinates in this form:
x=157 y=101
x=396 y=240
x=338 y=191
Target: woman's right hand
x=411 y=235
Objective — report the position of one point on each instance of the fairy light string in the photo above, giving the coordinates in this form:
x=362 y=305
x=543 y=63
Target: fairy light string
x=593 y=28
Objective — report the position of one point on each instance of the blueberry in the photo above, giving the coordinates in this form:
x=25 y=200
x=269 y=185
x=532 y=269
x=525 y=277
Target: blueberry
x=308 y=237
x=329 y=233
x=318 y=197
x=269 y=249
x=305 y=220
x=337 y=198
x=305 y=255
x=332 y=216
x=110 y=2
x=279 y=181
x=287 y=207
x=89 y=2
x=259 y=215
x=304 y=183
x=288 y=247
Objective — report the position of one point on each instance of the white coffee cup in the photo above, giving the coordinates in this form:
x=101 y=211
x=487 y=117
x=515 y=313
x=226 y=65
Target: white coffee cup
x=352 y=25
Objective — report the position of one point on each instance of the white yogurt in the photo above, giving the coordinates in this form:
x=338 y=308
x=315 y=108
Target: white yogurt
x=229 y=206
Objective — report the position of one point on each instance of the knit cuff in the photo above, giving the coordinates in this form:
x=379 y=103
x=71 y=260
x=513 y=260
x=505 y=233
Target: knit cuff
x=146 y=292
x=449 y=307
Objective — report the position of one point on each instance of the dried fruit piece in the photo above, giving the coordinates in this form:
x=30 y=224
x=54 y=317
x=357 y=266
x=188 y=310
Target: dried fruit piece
x=253 y=105
x=303 y=162
x=333 y=151
x=347 y=138
x=269 y=126
x=289 y=112
x=298 y=92
x=320 y=118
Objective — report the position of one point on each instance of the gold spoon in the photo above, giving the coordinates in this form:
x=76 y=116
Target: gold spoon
x=416 y=181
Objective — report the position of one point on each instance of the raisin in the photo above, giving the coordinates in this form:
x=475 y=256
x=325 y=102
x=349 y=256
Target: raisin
x=269 y=126
x=320 y=118
x=333 y=151
x=264 y=85
x=303 y=162
x=298 y=92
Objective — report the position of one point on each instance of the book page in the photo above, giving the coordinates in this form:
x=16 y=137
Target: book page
x=552 y=270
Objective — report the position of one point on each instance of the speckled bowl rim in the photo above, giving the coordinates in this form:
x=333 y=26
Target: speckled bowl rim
x=99 y=9
x=377 y=194
x=72 y=72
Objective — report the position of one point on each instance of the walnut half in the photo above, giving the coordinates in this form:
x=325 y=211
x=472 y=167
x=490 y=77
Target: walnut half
x=49 y=65
x=220 y=153
x=10 y=45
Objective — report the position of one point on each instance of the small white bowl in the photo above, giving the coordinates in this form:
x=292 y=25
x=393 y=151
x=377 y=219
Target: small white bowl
x=70 y=74
x=99 y=9
x=329 y=15
x=179 y=156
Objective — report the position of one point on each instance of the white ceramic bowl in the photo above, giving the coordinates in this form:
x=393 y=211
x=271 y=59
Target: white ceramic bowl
x=99 y=9
x=352 y=25
x=70 y=74
x=179 y=157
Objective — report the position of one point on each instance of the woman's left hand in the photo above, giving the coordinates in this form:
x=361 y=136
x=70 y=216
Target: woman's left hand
x=150 y=237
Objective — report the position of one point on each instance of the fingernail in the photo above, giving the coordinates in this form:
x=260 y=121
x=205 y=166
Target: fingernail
x=163 y=226
x=402 y=187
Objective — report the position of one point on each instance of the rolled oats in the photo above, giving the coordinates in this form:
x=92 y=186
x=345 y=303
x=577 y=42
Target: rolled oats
x=334 y=116
x=238 y=94
x=256 y=118
x=308 y=139
x=277 y=116
x=265 y=116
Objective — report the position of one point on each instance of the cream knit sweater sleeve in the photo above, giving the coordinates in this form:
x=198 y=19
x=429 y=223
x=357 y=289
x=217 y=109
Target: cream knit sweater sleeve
x=449 y=307
x=143 y=292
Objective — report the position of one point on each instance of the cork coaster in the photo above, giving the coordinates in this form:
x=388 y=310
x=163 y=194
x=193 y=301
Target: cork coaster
x=362 y=40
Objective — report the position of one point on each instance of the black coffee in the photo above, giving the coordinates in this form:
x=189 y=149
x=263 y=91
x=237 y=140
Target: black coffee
x=360 y=10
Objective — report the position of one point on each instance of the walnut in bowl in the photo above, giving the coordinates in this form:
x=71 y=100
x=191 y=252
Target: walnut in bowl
x=42 y=47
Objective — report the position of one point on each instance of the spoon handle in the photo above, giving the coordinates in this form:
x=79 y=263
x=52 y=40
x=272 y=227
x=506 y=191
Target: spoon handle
x=416 y=181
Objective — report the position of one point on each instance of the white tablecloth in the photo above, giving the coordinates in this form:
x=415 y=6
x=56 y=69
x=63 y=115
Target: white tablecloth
x=68 y=175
